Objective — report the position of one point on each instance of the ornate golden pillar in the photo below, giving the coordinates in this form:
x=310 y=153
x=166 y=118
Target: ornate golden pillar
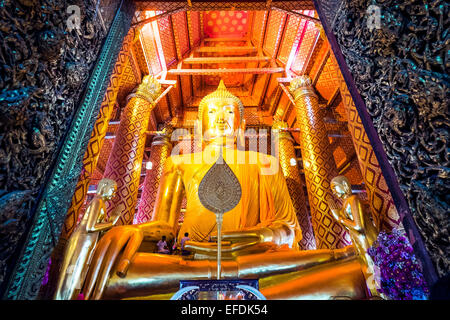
x=288 y=163
x=380 y=200
x=318 y=164
x=125 y=161
x=160 y=151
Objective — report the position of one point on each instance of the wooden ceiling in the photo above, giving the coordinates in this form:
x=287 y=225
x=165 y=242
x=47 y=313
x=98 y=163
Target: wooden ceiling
x=249 y=49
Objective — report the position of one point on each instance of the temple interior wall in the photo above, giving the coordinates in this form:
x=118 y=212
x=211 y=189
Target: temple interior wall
x=400 y=69
x=42 y=79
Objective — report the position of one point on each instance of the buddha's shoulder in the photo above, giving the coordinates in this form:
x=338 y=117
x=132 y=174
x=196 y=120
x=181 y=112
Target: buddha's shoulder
x=179 y=158
x=184 y=159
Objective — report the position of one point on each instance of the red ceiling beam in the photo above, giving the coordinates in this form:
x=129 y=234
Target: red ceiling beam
x=207 y=60
x=202 y=72
x=242 y=49
x=297 y=14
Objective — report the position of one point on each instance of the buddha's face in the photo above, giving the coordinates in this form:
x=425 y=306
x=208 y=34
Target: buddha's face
x=341 y=187
x=221 y=119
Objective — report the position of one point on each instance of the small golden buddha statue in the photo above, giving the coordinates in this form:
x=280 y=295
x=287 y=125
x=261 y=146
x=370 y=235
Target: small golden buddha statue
x=356 y=220
x=83 y=240
x=260 y=234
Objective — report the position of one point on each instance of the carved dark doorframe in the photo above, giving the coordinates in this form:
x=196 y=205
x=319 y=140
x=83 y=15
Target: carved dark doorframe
x=388 y=172
x=48 y=216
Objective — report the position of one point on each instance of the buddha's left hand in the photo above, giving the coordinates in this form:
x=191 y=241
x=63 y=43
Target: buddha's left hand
x=248 y=241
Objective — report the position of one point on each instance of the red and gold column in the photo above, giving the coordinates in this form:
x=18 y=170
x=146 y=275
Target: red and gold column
x=288 y=163
x=380 y=199
x=124 y=163
x=318 y=164
x=160 y=151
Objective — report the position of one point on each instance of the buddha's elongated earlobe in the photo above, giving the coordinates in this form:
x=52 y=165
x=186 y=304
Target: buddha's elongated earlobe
x=241 y=135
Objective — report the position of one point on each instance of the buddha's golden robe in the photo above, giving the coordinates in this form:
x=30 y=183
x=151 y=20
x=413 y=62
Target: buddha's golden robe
x=265 y=197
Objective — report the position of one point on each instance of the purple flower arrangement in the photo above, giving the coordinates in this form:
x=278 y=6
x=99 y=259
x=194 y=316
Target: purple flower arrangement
x=45 y=279
x=400 y=276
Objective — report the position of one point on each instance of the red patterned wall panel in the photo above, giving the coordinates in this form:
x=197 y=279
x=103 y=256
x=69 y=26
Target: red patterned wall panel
x=140 y=58
x=340 y=112
x=127 y=84
x=328 y=80
x=104 y=155
x=202 y=27
x=181 y=33
x=274 y=31
x=96 y=176
x=339 y=155
x=318 y=58
x=167 y=41
x=306 y=45
x=314 y=56
x=226 y=24
x=353 y=173
x=290 y=35
x=147 y=39
x=258 y=27
x=194 y=28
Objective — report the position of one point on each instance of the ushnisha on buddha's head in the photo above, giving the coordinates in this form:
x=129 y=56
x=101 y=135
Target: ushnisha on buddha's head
x=220 y=115
x=107 y=189
x=341 y=187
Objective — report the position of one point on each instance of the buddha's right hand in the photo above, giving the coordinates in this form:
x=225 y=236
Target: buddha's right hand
x=106 y=255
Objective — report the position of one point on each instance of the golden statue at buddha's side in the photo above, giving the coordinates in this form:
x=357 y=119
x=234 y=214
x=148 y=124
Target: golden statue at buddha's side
x=83 y=239
x=352 y=216
x=260 y=234
x=357 y=221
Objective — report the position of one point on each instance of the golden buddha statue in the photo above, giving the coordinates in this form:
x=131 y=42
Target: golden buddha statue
x=260 y=234
x=83 y=239
x=358 y=223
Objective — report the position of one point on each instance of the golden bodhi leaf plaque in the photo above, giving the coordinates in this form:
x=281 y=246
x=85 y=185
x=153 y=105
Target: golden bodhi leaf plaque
x=219 y=192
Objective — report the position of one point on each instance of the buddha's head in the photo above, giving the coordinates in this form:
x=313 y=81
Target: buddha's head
x=220 y=114
x=341 y=187
x=106 y=189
